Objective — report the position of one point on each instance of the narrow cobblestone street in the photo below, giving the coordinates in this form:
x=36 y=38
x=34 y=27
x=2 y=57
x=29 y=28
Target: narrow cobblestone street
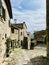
x=23 y=56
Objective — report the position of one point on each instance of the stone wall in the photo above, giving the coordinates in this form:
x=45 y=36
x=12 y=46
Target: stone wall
x=4 y=29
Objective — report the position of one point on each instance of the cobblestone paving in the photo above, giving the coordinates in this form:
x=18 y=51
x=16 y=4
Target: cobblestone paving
x=37 y=51
x=18 y=59
x=23 y=56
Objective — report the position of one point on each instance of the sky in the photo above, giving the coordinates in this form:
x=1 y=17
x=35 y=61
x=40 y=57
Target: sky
x=32 y=12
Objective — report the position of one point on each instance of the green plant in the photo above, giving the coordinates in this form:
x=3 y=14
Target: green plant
x=8 y=43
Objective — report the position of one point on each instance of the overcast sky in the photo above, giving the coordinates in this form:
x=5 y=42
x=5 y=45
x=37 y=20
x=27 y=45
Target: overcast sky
x=33 y=12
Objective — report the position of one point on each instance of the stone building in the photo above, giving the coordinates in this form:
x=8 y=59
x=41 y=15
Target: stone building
x=14 y=35
x=18 y=32
x=40 y=36
x=5 y=16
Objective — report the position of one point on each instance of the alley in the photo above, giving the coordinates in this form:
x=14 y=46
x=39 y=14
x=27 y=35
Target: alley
x=23 y=56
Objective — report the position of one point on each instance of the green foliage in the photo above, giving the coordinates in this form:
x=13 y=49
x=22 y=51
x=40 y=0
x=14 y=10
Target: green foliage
x=8 y=42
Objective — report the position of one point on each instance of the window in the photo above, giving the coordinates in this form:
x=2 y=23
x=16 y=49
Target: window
x=5 y=35
x=0 y=7
x=0 y=3
x=3 y=13
x=9 y=23
x=12 y=30
x=21 y=33
x=2 y=10
x=21 y=42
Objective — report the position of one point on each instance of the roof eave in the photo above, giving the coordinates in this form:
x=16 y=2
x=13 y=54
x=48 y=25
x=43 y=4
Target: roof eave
x=8 y=4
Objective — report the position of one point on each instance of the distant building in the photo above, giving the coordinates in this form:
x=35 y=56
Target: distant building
x=18 y=32
x=39 y=35
x=5 y=16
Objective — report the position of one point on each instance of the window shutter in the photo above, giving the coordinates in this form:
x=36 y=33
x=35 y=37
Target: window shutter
x=0 y=8
x=12 y=30
x=9 y=23
x=3 y=13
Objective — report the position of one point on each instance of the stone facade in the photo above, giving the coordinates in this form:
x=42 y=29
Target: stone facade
x=4 y=27
x=29 y=40
x=40 y=36
x=14 y=37
x=20 y=31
